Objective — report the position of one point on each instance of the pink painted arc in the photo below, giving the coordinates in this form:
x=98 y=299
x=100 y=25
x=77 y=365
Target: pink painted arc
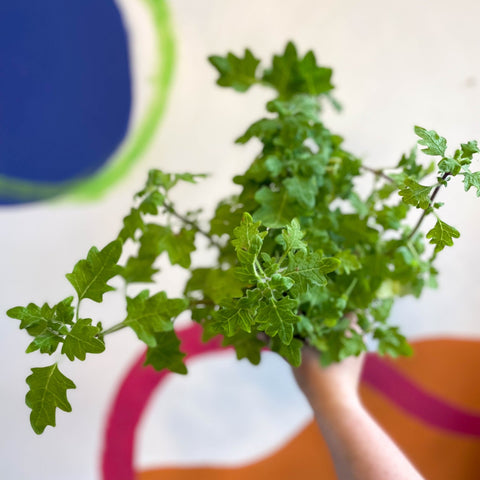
x=411 y=398
x=130 y=403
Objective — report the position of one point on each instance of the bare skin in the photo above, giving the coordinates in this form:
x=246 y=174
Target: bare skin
x=360 y=449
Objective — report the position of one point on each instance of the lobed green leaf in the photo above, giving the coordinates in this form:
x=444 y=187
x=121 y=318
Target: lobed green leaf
x=166 y=354
x=148 y=315
x=434 y=143
x=236 y=72
x=415 y=194
x=442 y=235
x=472 y=180
x=90 y=276
x=278 y=318
x=48 y=325
x=48 y=391
x=83 y=338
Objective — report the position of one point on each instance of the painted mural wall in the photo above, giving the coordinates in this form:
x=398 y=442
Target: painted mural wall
x=92 y=95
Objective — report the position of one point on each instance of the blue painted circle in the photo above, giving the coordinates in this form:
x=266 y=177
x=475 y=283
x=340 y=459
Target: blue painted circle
x=65 y=88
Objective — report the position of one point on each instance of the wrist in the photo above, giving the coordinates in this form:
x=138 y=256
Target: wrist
x=337 y=404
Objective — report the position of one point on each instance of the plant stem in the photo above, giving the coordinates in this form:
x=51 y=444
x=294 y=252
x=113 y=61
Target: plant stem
x=424 y=214
x=256 y=266
x=194 y=225
x=203 y=302
x=378 y=173
x=115 y=328
x=77 y=311
x=350 y=288
x=259 y=267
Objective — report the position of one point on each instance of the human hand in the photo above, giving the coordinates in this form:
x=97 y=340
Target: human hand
x=336 y=384
x=360 y=449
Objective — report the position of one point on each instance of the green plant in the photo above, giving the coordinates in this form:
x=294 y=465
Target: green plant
x=296 y=249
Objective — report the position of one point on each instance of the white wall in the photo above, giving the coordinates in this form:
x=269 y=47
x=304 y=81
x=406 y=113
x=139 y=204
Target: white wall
x=396 y=64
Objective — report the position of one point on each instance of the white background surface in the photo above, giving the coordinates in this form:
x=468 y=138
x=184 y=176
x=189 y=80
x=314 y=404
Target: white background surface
x=396 y=64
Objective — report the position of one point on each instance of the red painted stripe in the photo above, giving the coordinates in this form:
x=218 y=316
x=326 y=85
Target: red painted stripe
x=411 y=398
x=130 y=402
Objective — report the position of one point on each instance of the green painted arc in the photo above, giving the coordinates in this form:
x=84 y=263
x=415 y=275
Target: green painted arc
x=137 y=141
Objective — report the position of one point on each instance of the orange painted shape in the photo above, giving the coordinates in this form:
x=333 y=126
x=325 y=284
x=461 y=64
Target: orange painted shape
x=446 y=368
x=305 y=456
x=438 y=455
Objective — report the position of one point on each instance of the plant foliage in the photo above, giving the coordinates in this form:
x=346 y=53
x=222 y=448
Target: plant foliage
x=297 y=248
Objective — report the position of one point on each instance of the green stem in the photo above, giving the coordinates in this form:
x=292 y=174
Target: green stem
x=194 y=225
x=77 y=311
x=413 y=250
x=284 y=256
x=257 y=265
x=351 y=287
x=378 y=173
x=115 y=328
x=425 y=212
x=265 y=278
x=201 y=303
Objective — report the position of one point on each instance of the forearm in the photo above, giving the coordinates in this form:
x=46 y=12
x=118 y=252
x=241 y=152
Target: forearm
x=360 y=449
